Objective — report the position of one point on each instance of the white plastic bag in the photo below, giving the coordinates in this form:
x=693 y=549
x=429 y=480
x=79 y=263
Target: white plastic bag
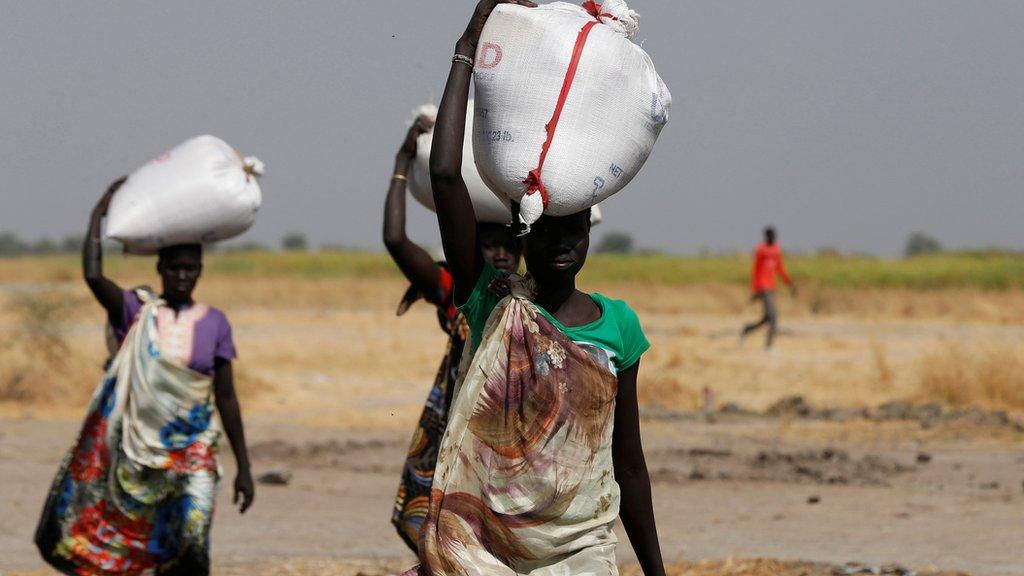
x=201 y=191
x=604 y=114
x=487 y=206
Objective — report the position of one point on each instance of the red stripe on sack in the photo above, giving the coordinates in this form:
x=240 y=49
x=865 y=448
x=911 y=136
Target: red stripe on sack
x=534 y=181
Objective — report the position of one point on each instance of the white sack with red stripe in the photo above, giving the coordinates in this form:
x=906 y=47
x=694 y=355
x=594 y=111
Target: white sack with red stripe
x=487 y=206
x=567 y=107
x=201 y=191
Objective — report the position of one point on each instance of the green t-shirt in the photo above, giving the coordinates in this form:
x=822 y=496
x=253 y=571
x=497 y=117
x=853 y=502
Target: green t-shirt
x=616 y=339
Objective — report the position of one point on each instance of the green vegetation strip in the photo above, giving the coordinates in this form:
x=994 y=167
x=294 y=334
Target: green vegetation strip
x=993 y=271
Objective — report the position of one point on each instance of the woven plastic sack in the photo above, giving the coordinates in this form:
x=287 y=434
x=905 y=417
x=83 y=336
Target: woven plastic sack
x=568 y=108
x=201 y=191
x=487 y=206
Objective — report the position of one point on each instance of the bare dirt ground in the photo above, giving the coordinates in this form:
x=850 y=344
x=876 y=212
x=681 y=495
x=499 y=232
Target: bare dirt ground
x=743 y=486
x=331 y=383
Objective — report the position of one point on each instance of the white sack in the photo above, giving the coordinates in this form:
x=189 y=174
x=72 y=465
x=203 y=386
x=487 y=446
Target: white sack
x=614 y=111
x=201 y=191
x=487 y=206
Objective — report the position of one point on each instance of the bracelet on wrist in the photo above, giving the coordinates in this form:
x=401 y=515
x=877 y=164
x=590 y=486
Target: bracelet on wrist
x=463 y=59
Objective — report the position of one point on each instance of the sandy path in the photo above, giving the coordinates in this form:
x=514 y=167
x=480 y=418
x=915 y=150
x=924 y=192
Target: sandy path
x=963 y=510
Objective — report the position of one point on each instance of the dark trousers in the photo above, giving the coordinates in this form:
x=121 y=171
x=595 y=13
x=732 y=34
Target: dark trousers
x=769 y=318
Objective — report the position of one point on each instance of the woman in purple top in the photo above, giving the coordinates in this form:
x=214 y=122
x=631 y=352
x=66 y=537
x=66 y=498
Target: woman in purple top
x=135 y=493
x=196 y=335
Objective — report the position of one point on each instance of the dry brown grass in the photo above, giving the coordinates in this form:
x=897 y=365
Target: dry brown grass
x=989 y=375
x=883 y=367
x=38 y=359
x=53 y=348
x=316 y=279
x=971 y=305
x=330 y=351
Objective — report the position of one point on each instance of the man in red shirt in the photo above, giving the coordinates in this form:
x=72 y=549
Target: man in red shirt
x=767 y=263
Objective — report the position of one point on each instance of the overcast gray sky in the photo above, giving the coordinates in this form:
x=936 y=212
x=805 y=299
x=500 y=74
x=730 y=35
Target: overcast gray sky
x=845 y=123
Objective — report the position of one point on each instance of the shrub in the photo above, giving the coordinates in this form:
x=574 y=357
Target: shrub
x=615 y=243
x=960 y=375
x=295 y=242
x=920 y=244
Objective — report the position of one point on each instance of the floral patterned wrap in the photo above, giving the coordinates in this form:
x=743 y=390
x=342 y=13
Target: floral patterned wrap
x=135 y=494
x=524 y=482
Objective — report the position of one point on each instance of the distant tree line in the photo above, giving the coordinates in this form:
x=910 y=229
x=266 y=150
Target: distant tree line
x=13 y=245
x=612 y=242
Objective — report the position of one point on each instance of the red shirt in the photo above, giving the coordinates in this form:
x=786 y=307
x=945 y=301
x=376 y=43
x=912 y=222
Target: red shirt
x=768 y=263
x=446 y=294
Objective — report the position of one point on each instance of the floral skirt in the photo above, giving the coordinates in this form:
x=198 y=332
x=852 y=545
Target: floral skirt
x=413 y=498
x=106 y=515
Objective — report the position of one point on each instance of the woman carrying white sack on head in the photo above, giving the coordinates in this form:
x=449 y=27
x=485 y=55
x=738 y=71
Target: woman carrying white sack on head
x=135 y=493
x=432 y=281
x=542 y=452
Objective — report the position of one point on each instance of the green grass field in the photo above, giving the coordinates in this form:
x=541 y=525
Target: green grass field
x=994 y=271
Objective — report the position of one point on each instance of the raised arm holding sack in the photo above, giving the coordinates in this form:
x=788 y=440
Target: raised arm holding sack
x=432 y=281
